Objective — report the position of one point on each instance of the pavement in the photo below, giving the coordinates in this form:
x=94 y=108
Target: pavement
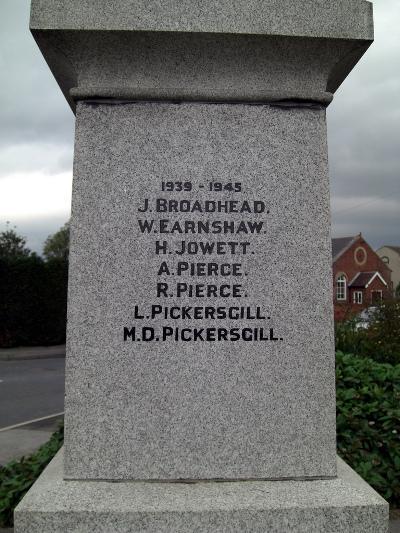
x=24 y=440
x=32 y=352
x=31 y=404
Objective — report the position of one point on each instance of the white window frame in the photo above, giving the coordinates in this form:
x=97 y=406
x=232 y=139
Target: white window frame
x=341 y=288
x=357 y=297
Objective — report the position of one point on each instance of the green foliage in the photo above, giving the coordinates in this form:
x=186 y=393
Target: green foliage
x=348 y=338
x=397 y=291
x=56 y=246
x=380 y=341
x=17 y=477
x=12 y=245
x=33 y=292
x=384 y=333
x=368 y=421
x=33 y=301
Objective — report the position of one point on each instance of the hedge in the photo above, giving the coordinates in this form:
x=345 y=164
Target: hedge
x=33 y=301
x=368 y=421
x=379 y=341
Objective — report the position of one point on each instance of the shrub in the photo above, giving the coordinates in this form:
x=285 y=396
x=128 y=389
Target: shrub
x=368 y=421
x=17 y=477
x=33 y=301
x=380 y=341
x=383 y=335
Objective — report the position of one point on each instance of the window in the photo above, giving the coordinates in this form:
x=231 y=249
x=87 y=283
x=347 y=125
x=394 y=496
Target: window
x=341 y=286
x=376 y=297
x=385 y=259
x=360 y=255
x=357 y=297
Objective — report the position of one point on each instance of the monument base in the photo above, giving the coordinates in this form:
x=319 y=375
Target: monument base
x=343 y=504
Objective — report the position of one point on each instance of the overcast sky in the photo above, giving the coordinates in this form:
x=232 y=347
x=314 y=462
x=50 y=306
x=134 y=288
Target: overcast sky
x=36 y=136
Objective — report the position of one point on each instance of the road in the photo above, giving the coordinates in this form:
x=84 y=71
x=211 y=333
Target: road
x=30 y=389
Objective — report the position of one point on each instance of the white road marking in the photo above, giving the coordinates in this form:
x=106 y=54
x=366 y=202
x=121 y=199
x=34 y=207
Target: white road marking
x=31 y=421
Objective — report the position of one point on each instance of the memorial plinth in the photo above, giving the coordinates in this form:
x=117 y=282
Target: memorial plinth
x=200 y=324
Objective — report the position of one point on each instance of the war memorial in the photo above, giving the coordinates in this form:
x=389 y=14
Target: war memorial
x=200 y=386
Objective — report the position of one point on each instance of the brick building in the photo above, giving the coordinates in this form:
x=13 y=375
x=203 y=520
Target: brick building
x=360 y=277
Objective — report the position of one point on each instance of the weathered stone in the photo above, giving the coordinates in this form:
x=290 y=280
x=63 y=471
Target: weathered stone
x=202 y=51
x=204 y=409
x=341 y=19
x=200 y=336
x=345 y=504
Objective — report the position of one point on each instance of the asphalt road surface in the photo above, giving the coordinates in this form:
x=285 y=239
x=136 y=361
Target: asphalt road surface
x=30 y=389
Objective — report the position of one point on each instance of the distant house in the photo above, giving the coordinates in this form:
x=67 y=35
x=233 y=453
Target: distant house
x=360 y=277
x=390 y=255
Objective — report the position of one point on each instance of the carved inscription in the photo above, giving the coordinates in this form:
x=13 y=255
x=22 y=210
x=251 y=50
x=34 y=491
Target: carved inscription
x=201 y=252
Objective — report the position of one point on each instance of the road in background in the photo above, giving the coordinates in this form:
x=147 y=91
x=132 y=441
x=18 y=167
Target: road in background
x=30 y=389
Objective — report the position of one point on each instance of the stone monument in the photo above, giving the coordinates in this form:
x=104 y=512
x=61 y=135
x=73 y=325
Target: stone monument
x=200 y=352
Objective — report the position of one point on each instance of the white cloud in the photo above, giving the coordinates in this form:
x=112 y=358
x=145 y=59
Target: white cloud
x=38 y=157
x=365 y=205
x=28 y=195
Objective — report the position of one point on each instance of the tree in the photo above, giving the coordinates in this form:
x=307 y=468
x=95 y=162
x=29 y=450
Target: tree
x=12 y=245
x=397 y=291
x=56 y=246
x=384 y=332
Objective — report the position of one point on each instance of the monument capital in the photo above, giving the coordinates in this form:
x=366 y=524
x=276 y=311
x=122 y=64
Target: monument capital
x=257 y=51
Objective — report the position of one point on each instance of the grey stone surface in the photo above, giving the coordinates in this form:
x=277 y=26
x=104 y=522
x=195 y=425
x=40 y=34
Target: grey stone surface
x=201 y=67
x=202 y=51
x=343 y=505
x=339 y=19
x=201 y=409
